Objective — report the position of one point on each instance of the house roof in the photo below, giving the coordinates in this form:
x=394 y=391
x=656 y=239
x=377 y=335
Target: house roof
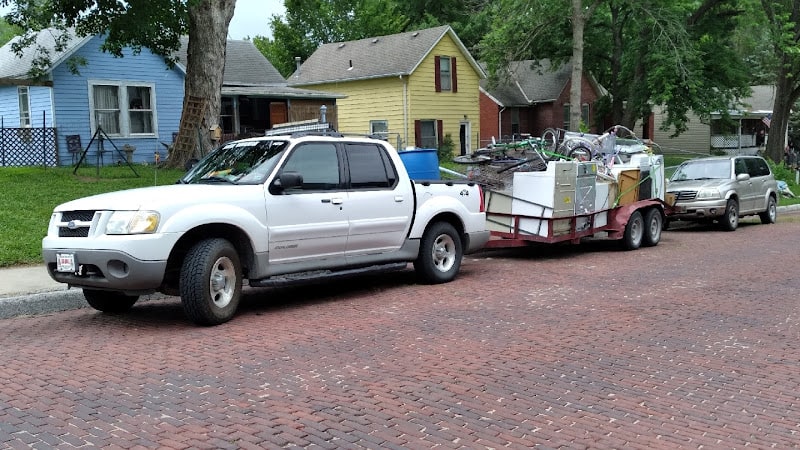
x=529 y=82
x=14 y=69
x=762 y=99
x=375 y=57
x=247 y=71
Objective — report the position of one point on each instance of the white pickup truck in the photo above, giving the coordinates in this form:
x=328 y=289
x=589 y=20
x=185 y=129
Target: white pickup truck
x=269 y=210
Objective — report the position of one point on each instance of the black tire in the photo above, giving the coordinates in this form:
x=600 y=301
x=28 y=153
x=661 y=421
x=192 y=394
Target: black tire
x=730 y=220
x=440 y=254
x=580 y=153
x=211 y=282
x=770 y=215
x=634 y=232
x=653 y=224
x=108 y=301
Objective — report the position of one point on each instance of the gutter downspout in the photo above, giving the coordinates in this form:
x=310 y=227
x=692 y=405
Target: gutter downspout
x=500 y=122
x=405 y=110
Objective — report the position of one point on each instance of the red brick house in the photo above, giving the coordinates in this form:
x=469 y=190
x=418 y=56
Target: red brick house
x=531 y=99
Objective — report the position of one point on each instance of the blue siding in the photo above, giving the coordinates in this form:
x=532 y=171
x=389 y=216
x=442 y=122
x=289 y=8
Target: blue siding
x=39 y=99
x=71 y=94
x=9 y=106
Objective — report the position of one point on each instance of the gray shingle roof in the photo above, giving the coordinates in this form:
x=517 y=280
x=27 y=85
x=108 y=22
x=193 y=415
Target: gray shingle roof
x=375 y=57
x=244 y=65
x=15 y=68
x=528 y=84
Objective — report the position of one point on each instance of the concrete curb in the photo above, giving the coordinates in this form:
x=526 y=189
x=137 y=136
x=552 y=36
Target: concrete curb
x=42 y=303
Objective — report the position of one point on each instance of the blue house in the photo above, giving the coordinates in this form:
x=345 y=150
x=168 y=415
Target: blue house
x=134 y=102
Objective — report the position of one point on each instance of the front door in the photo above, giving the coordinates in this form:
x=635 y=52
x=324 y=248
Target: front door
x=278 y=113
x=307 y=224
x=463 y=135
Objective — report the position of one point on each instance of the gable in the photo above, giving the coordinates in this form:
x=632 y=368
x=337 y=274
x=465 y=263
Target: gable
x=14 y=69
x=377 y=57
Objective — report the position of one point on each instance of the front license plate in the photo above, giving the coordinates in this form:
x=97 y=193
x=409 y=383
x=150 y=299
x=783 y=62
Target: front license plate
x=65 y=262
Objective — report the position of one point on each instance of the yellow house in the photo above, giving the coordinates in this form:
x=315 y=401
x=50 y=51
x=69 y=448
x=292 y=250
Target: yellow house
x=413 y=88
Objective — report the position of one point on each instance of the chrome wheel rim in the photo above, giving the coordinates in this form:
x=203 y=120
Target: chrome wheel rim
x=222 y=282
x=444 y=253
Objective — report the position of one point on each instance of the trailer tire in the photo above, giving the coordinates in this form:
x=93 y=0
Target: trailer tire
x=653 y=224
x=634 y=232
x=440 y=254
x=211 y=282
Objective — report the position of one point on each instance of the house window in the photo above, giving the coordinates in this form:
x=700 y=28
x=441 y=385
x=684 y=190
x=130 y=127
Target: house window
x=445 y=74
x=121 y=109
x=379 y=128
x=566 y=116
x=515 y=122
x=24 y=107
x=428 y=137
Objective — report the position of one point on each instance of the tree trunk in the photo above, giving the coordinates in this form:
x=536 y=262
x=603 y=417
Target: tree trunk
x=205 y=65
x=781 y=109
x=578 y=22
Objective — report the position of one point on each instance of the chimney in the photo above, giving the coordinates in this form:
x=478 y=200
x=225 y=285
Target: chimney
x=297 y=63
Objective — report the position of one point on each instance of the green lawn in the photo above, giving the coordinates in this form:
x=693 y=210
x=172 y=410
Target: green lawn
x=30 y=193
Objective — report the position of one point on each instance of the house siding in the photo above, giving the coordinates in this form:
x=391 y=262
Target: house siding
x=449 y=107
x=697 y=139
x=71 y=98
x=40 y=100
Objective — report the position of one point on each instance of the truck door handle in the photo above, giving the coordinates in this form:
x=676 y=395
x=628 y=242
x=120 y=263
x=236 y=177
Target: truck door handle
x=337 y=201
x=398 y=198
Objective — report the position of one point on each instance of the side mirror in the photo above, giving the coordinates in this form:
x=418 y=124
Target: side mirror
x=287 y=180
x=743 y=177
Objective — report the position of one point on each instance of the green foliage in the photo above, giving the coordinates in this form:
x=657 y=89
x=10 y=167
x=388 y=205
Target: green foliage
x=311 y=23
x=445 y=151
x=8 y=31
x=31 y=193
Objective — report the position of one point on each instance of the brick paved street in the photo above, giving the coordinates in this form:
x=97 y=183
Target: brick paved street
x=694 y=343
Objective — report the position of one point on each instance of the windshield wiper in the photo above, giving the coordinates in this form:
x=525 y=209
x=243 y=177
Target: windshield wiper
x=216 y=179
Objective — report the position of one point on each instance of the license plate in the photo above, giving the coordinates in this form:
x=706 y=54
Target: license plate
x=65 y=262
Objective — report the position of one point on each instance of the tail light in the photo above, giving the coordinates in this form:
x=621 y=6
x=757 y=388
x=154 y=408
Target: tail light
x=480 y=192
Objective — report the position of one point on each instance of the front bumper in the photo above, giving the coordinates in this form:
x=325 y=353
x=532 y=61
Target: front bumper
x=107 y=269
x=699 y=209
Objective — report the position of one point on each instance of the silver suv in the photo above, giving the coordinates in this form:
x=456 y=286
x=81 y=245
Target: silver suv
x=723 y=189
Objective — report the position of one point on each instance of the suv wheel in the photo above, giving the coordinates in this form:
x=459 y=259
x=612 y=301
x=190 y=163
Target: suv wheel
x=730 y=220
x=770 y=215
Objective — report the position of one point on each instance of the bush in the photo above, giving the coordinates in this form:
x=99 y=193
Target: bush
x=445 y=151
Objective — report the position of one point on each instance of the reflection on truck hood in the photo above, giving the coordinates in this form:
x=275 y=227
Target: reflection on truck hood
x=158 y=197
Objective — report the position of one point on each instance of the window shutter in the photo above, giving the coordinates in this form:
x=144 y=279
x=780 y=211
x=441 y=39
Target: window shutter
x=454 y=74
x=438 y=75
x=417 y=133
x=439 y=128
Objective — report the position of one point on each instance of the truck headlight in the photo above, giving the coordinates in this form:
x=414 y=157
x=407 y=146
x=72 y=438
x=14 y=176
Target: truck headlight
x=708 y=194
x=132 y=222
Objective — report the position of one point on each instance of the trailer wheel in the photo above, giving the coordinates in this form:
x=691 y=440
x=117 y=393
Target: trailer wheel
x=211 y=282
x=109 y=302
x=634 y=232
x=440 y=254
x=653 y=224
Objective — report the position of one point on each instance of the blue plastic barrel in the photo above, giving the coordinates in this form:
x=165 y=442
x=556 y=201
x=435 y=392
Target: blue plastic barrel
x=421 y=163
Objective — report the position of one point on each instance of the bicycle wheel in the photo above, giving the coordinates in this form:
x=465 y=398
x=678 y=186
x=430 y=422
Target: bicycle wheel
x=550 y=139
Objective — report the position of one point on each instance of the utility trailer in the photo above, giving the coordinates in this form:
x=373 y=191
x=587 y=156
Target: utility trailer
x=575 y=200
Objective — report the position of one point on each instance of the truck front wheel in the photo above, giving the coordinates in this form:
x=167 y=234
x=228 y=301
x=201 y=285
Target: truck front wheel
x=440 y=254
x=108 y=301
x=211 y=282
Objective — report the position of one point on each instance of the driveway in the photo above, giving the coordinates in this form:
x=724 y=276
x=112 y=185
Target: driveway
x=693 y=343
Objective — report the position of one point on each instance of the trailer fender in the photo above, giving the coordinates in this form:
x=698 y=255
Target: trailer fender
x=619 y=216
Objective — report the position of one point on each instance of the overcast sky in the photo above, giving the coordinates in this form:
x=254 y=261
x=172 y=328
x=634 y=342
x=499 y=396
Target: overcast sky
x=250 y=18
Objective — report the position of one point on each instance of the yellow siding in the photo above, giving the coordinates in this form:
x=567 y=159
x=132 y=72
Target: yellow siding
x=382 y=99
x=426 y=103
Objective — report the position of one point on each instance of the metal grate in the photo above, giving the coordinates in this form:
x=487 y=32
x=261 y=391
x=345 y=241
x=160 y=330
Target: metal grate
x=684 y=195
x=75 y=223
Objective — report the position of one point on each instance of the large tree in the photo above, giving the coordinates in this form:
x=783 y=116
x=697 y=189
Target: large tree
x=153 y=24
x=784 y=27
x=676 y=54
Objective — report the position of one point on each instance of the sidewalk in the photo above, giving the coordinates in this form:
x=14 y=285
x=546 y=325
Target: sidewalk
x=27 y=280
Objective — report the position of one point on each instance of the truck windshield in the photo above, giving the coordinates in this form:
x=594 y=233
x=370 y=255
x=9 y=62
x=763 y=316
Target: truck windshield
x=244 y=162
x=703 y=170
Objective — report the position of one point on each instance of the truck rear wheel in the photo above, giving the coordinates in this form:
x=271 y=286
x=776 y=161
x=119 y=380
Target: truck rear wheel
x=634 y=232
x=653 y=224
x=108 y=301
x=211 y=282
x=440 y=254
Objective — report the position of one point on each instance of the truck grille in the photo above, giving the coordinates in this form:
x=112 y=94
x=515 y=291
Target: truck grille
x=75 y=223
x=684 y=195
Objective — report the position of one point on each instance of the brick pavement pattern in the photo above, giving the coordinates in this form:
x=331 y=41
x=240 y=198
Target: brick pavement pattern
x=690 y=344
